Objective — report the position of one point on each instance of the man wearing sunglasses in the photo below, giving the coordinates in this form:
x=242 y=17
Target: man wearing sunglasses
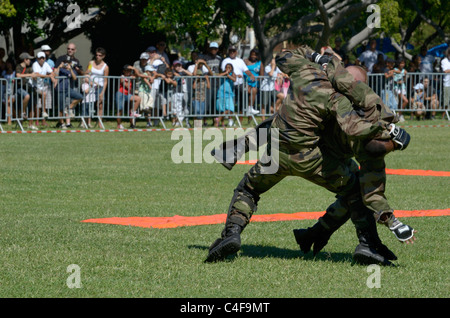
x=69 y=57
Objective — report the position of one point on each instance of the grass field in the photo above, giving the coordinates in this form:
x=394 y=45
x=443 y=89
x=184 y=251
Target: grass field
x=52 y=182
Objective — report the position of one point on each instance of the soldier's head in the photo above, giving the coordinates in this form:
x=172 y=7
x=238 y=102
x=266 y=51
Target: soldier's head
x=358 y=73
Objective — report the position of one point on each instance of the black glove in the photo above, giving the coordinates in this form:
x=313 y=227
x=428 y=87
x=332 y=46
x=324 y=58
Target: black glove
x=321 y=59
x=399 y=136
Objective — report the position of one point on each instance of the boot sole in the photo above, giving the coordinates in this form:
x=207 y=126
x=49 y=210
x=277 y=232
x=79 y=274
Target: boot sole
x=225 y=248
x=368 y=257
x=219 y=158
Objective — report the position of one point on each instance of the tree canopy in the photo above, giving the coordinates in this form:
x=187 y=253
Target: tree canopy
x=314 y=22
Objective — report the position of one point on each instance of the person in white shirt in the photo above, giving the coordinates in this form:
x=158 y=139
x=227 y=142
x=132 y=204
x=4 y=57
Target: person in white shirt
x=43 y=70
x=369 y=57
x=445 y=66
x=239 y=68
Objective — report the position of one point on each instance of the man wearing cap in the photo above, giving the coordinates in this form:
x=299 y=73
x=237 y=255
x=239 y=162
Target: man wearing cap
x=24 y=71
x=143 y=72
x=48 y=51
x=239 y=68
x=139 y=69
x=213 y=60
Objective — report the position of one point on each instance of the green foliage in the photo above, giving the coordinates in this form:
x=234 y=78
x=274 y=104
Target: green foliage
x=7 y=9
x=181 y=16
x=390 y=18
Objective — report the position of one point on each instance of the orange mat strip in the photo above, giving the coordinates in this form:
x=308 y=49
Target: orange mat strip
x=178 y=221
x=403 y=172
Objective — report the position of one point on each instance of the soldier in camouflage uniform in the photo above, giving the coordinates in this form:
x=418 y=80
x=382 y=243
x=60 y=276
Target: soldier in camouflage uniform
x=313 y=109
x=372 y=176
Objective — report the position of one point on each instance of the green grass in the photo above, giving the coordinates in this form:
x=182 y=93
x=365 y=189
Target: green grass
x=51 y=182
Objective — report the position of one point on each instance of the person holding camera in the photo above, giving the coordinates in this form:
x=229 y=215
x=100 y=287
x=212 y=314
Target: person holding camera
x=66 y=73
x=69 y=57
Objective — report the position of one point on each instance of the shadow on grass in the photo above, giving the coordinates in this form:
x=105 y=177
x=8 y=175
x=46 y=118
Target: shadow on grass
x=260 y=251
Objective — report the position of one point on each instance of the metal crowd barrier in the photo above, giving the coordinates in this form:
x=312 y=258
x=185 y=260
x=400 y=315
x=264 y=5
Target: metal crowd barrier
x=403 y=95
x=22 y=99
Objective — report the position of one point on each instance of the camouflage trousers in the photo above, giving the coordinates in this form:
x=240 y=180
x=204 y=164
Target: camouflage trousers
x=317 y=165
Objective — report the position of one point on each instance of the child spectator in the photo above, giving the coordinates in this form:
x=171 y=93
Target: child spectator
x=166 y=91
x=400 y=86
x=225 y=96
x=430 y=97
x=179 y=95
x=387 y=94
x=126 y=95
x=182 y=89
x=145 y=89
x=418 y=102
x=89 y=89
x=200 y=85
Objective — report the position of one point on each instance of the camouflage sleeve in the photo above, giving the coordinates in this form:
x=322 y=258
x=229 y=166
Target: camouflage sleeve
x=362 y=97
x=353 y=121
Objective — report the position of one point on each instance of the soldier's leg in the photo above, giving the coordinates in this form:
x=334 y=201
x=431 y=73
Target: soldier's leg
x=344 y=180
x=338 y=176
x=319 y=234
x=243 y=204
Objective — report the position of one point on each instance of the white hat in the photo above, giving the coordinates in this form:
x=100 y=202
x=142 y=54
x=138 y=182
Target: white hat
x=418 y=86
x=40 y=54
x=214 y=45
x=45 y=48
x=149 y=68
x=144 y=56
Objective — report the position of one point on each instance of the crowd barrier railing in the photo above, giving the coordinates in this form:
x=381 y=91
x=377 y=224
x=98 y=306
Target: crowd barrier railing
x=116 y=98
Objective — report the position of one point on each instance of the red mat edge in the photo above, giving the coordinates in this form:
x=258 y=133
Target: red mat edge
x=179 y=221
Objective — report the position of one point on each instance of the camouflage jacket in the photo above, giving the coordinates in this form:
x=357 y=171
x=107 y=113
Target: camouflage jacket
x=317 y=97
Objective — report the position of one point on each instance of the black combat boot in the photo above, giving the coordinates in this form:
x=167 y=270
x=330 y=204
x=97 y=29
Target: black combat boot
x=228 y=244
x=317 y=235
x=368 y=250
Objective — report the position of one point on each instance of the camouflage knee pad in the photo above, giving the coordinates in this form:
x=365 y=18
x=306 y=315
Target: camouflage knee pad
x=243 y=205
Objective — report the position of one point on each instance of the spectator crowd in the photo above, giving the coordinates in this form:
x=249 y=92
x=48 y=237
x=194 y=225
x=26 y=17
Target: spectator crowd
x=224 y=88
